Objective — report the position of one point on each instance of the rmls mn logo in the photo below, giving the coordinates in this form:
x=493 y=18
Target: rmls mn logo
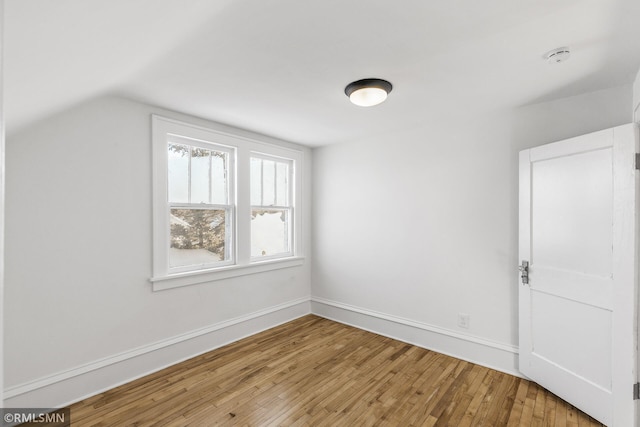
x=49 y=416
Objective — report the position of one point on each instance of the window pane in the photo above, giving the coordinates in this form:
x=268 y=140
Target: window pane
x=178 y=159
x=282 y=180
x=269 y=232
x=256 y=181
x=268 y=182
x=219 y=162
x=197 y=236
x=200 y=175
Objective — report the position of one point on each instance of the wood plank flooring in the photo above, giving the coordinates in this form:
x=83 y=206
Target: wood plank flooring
x=316 y=372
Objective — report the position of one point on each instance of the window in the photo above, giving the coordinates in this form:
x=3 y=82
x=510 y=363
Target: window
x=200 y=180
x=271 y=210
x=224 y=204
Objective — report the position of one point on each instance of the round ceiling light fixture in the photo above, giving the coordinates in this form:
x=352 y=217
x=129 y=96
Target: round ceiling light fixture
x=368 y=92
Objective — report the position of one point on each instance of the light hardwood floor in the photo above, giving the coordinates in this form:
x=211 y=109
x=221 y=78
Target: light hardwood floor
x=316 y=372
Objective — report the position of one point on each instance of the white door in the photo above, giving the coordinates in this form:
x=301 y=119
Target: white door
x=577 y=231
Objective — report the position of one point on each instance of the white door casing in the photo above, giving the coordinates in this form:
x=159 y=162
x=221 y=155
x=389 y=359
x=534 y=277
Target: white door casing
x=578 y=231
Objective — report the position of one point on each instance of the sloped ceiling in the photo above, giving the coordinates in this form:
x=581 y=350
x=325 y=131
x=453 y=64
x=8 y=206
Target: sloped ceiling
x=279 y=67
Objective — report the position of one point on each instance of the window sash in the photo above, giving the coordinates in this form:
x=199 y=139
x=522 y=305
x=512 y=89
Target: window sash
x=287 y=234
x=282 y=196
x=228 y=170
x=229 y=257
x=274 y=190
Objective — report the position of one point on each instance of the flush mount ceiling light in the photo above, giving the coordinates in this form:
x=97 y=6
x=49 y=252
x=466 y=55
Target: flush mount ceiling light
x=555 y=56
x=368 y=92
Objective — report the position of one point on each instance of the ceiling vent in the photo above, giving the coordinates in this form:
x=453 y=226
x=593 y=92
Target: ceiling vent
x=555 y=56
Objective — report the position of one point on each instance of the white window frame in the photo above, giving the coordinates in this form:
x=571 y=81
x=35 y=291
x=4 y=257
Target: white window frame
x=229 y=207
x=244 y=145
x=289 y=207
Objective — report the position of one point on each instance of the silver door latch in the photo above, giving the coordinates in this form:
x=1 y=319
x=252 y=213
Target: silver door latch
x=524 y=272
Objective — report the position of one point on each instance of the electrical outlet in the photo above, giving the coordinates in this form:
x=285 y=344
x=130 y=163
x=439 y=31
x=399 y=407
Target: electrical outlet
x=463 y=320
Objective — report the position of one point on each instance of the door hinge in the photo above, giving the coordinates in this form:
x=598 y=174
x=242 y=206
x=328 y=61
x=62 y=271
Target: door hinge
x=636 y=391
x=638 y=161
x=524 y=272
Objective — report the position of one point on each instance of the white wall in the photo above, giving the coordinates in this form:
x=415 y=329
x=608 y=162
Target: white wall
x=551 y=121
x=79 y=310
x=411 y=229
x=636 y=99
x=2 y=162
x=636 y=118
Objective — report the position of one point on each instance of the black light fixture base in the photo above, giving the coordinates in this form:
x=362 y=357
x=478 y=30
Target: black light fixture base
x=364 y=83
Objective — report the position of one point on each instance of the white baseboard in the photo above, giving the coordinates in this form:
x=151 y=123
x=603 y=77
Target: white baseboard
x=494 y=355
x=63 y=388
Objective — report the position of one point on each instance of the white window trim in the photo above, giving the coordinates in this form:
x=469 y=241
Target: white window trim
x=244 y=147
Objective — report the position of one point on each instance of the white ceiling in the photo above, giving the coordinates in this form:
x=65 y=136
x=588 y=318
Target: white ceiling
x=279 y=67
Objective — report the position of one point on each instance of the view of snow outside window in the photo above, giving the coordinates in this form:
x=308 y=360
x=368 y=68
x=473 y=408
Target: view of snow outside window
x=270 y=207
x=199 y=206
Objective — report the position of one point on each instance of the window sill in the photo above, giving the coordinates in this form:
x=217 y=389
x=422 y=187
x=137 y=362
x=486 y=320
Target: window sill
x=203 y=276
